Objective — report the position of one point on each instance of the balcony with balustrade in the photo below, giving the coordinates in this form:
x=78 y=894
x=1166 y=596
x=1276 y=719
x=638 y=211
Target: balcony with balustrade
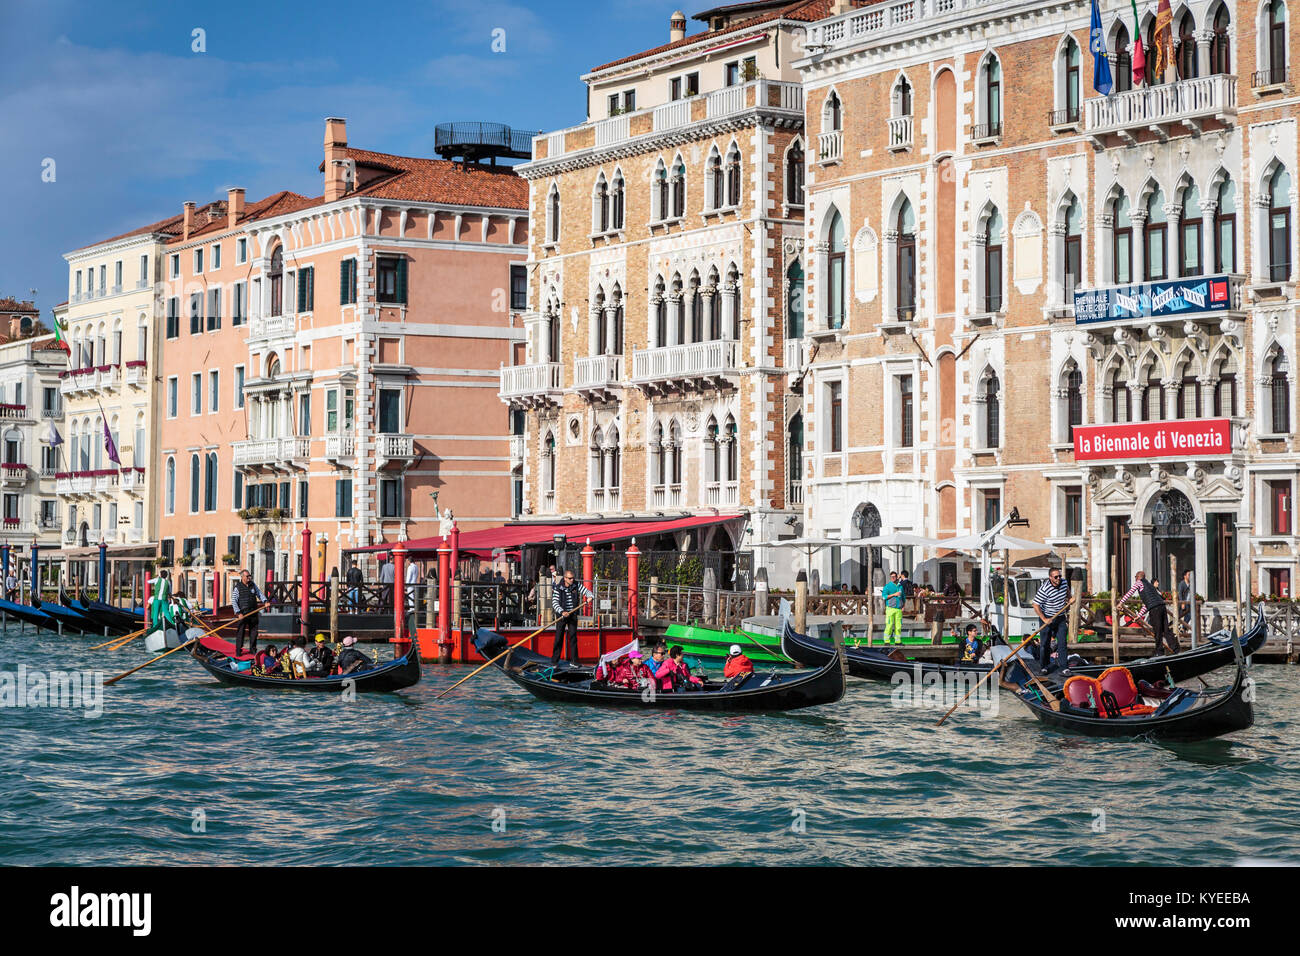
x=531 y=386
x=340 y=447
x=794 y=492
x=796 y=355
x=695 y=365
x=1168 y=109
x=900 y=133
x=516 y=450
x=597 y=376
x=135 y=374
x=830 y=146
x=724 y=494
x=665 y=496
x=605 y=500
x=132 y=481
x=14 y=474
x=273 y=454
x=10 y=412
x=106 y=482
x=271 y=327
x=108 y=378
x=395 y=449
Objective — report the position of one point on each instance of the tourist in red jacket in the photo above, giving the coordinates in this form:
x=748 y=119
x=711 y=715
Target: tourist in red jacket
x=737 y=663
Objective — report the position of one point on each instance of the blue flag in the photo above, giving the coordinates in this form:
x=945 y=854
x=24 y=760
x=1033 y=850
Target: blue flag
x=1101 y=81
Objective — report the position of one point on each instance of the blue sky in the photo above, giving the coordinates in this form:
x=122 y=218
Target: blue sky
x=137 y=123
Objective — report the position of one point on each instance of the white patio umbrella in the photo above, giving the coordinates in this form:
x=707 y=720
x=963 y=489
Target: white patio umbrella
x=998 y=542
x=894 y=539
x=809 y=544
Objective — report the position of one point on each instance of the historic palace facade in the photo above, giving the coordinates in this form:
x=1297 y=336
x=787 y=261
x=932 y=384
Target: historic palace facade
x=1004 y=261
x=665 y=295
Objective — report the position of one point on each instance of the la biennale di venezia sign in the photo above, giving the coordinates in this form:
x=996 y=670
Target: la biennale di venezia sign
x=1196 y=438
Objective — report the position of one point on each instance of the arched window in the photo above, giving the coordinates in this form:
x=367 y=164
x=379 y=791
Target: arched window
x=1150 y=49
x=679 y=188
x=139 y=452
x=171 y=486
x=600 y=213
x=794 y=175
x=210 y=482
x=991 y=84
x=1220 y=42
x=715 y=180
x=660 y=313
x=713 y=307
x=275 y=276
x=1121 y=241
x=617 y=200
x=675 y=441
x=992 y=412
x=993 y=262
x=733 y=450
x=835 y=273
x=794 y=300
x=903 y=97
x=1072 y=258
x=794 y=459
x=1189 y=233
x=1073 y=401
x=1071 y=88
x=194 y=484
x=1153 y=396
x=548 y=463
x=1279 y=393
x=905 y=262
x=614 y=456
x=660 y=196
x=1187 y=63
x=1188 y=404
x=712 y=452
x=600 y=327
x=1123 y=78
x=1154 y=238
x=1279 y=225
x=660 y=456
x=1276 y=57
x=832 y=114
x=1121 y=409
x=553 y=333
x=733 y=176
x=1225 y=390
x=1225 y=228
x=697 y=309
x=615 y=342
x=553 y=214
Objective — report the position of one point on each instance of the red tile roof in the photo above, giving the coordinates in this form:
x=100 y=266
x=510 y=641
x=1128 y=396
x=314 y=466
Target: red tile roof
x=170 y=226
x=436 y=180
x=10 y=304
x=274 y=205
x=805 y=10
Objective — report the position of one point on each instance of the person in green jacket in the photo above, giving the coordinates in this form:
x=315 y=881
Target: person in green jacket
x=893 y=597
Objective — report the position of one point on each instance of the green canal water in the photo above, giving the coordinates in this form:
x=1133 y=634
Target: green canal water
x=180 y=770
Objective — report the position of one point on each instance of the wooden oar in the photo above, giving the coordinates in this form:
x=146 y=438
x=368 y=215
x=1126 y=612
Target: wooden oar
x=122 y=642
x=507 y=651
x=121 y=639
x=998 y=669
x=114 y=680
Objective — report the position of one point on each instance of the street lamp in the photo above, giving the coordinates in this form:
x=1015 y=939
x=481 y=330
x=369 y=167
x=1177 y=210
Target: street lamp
x=1160 y=513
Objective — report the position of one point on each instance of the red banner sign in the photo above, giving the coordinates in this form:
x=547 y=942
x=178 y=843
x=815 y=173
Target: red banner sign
x=1197 y=438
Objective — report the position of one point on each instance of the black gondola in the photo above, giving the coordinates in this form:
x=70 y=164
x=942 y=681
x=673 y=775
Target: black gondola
x=571 y=684
x=28 y=614
x=69 y=619
x=874 y=663
x=113 y=618
x=1185 y=715
x=217 y=656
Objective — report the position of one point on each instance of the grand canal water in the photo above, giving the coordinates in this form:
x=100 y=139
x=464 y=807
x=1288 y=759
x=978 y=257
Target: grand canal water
x=179 y=769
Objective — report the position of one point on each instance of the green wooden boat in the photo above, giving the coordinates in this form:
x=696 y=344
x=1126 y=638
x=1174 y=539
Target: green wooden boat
x=711 y=645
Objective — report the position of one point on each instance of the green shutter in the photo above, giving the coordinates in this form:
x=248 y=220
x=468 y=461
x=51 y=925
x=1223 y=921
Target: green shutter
x=311 y=289
x=344 y=282
x=401 y=281
x=302 y=289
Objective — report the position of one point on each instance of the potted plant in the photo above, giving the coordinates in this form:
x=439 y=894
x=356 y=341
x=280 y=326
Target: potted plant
x=185 y=560
x=229 y=560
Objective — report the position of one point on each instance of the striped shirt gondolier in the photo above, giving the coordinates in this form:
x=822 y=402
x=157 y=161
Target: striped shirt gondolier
x=565 y=597
x=1147 y=594
x=1052 y=597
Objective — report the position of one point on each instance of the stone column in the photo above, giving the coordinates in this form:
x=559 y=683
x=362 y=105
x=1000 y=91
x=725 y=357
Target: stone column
x=1139 y=219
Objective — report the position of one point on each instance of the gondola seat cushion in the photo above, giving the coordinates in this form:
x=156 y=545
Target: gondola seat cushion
x=1119 y=681
x=1077 y=690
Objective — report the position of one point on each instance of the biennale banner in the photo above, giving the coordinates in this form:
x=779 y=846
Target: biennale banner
x=1152 y=299
x=1195 y=438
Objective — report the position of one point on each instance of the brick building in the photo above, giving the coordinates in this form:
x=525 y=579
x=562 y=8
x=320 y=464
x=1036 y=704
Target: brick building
x=969 y=190
x=666 y=253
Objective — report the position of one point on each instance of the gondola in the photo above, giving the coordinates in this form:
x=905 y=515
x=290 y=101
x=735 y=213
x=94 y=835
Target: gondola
x=113 y=618
x=875 y=663
x=760 y=691
x=1185 y=715
x=27 y=614
x=66 y=616
x=216 y=656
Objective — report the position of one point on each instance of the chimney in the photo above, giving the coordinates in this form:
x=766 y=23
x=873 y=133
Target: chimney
x=188 y=222
x=336 y=140
x=840 y=6
x=234 y=205
x=677 y=27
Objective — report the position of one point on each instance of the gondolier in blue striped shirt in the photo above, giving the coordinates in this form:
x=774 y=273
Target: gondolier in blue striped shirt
x=1049 y=601
x=565 y=597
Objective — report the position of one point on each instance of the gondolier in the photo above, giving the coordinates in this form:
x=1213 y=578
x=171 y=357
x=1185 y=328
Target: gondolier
x=1049 y=600
x=247 y=599
x=1157 y=614
x=565 y=597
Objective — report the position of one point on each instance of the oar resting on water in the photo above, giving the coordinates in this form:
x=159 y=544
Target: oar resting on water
x=507 y=651
x=210 y=630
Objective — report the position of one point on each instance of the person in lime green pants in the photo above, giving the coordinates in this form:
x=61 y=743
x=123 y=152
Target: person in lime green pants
x=893 y=596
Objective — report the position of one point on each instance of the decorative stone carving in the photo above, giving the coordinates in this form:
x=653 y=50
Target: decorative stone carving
x=1231 y=330
x=1196 y=338
x=1159 y=337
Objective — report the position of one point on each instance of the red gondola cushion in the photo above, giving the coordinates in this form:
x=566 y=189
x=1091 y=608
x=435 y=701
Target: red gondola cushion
x=1076 y=692
x=1119 y=681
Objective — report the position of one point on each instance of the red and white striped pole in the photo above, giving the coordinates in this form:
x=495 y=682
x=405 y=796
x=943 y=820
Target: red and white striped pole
x=305 y=582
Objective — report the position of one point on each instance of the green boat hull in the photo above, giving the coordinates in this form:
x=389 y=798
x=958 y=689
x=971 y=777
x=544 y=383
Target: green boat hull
x=710 y=644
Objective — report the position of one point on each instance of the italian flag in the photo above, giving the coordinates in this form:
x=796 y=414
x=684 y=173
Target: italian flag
x=1139 y=56
x=58 y=338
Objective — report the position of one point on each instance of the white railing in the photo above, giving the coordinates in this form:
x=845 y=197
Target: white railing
x=726 y=101
x=696 y=360
x=132 y=480
x=82 y=485
x=1205 y=96
x=134 y=535
x=13 y=412
x=598 y=371
x=900 y=132
x=612 y=131
x=555 y=145
x=791 y=96
x=48 y=471
x=396 y=446
x=340 y=446
x=63 y=486
x=794 y=492
x=15 y=474
x=523 y=380
x=830 y=146
x=796 y=354
x=296 y=448
x=110 y=377
x=516 y=448
x=55 y=412
x=136 y=375
x=548 y=502
x=68 y=385
x=257 y=451
x=271 y=326
x=606 y=499
x=672 y=115
x=105 y=484
x=666 y=496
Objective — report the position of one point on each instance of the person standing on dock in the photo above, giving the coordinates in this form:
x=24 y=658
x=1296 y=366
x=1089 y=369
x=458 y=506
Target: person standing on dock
x=11 y=586
x=247 y=600
x=567 y=596
x=1155 y=611
x=1185 y=601
x=386 y=573
x=1049 y=600
x=892 y=595
x=355 y=581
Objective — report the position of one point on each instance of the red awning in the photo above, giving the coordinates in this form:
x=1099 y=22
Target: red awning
x=488 y=541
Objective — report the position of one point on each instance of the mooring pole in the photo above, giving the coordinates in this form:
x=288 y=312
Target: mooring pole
x=444 y=604
x=305 y=582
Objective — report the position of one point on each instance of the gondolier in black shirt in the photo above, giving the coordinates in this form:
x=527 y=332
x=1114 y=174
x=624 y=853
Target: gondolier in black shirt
x=247 y=599
x=1049 y=600
x=1157 y=613
x=565 y=597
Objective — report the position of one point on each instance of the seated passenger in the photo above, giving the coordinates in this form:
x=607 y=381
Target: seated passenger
x=662 y=668
x=683 y=679
x=320 y=659
x=351 y=659
x=737 y=663
x=268 y=660
x=629 y=671
x=297 y=655
x=971 y=646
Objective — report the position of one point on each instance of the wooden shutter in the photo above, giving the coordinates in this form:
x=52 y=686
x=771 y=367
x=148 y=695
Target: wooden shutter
x=344 y=281
x=401 y=281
